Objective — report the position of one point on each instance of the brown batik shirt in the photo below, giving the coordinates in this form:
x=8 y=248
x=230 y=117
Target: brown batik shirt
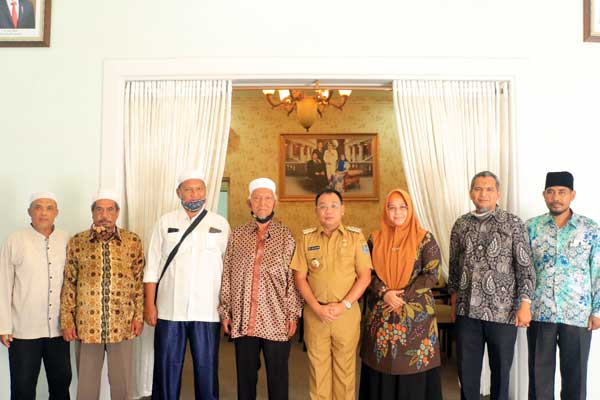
x=102 y=290
x=258 y=293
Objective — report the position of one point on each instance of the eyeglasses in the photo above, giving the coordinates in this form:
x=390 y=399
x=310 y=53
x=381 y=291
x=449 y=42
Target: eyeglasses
x=323 y=207
x=397 y=208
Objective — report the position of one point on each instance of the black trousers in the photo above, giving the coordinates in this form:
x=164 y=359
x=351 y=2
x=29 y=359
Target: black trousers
x=375 y=385
x=471 y=337
x=574 y=343
x=247 y=363
x=25 y=359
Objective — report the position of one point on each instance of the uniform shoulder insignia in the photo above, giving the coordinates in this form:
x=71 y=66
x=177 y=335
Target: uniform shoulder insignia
x=309 y=230
x=353 y=229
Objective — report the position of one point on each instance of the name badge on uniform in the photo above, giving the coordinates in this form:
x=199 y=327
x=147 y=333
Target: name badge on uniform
x=313 y=248
x=365 y=248
x=171 y=230
x=214 y=230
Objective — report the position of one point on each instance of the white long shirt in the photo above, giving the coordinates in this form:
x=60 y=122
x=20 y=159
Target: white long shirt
x=31 y=277
x=189 y=290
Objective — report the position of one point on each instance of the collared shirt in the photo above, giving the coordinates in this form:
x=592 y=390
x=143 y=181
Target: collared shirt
x=258 y=293
x=567 y=265
x=31 y=276
x=490 y=266
x=102 y=291
x=332 y=262
x=189 y=290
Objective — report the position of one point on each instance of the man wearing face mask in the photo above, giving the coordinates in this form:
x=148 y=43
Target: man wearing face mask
x=102 y=300
x=491 y=282
x=260 y=305
x=181 y=284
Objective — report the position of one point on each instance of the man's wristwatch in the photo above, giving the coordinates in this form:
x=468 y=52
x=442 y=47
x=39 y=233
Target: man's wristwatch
x=347 y=304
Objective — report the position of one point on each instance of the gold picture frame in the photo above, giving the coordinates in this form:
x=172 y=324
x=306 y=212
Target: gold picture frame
x=347 y=162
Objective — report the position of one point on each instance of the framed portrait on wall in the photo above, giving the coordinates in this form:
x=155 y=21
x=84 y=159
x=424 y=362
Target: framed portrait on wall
x=25 y=23
x=591 y=20
x=311 y=162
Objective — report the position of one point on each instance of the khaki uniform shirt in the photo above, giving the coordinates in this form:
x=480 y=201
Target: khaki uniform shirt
x=331 y=262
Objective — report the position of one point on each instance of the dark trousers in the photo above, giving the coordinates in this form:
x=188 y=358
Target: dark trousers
x=471 y=337
x=170 y=339
x=375 y=385
x=574 y=343
x=25 y=360
x=247 y=363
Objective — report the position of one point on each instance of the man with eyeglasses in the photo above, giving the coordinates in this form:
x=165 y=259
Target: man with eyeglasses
x=491 y=282
x=332 y=268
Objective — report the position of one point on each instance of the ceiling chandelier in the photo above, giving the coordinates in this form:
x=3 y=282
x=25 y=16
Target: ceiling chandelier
x=307 y=107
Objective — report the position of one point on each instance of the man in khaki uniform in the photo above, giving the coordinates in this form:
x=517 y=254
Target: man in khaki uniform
x=332 y=269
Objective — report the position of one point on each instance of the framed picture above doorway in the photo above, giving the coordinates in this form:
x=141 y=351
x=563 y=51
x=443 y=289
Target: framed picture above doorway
x=310 y=162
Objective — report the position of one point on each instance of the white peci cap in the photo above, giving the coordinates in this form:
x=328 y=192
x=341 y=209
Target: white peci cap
x=106 y=195
x=190 y=174
x=42 y=195
x=261 y=183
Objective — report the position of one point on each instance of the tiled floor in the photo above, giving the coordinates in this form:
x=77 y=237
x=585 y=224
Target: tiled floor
x=298 y=375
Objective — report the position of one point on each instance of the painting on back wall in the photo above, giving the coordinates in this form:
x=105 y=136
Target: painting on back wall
x=311 y=162
x=25 y=23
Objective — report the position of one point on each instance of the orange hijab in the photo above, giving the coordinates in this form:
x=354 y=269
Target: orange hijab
x=395 y=247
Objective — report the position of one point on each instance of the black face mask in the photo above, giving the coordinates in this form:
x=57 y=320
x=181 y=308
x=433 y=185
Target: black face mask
x=262 y=220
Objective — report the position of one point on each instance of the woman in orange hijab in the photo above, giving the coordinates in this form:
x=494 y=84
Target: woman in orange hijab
x=400 y=352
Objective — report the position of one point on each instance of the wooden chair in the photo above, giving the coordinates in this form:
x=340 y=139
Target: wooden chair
x=445 y=328
x=442 y=313
x=352 y=177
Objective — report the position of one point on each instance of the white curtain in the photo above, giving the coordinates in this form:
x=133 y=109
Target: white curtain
x=170 y=126
x=449 y=131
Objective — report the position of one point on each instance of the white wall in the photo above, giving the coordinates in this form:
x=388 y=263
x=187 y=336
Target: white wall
x=50 y=99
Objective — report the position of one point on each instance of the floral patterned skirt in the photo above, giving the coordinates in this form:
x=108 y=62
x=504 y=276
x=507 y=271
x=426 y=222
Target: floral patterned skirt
x=401 y=343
